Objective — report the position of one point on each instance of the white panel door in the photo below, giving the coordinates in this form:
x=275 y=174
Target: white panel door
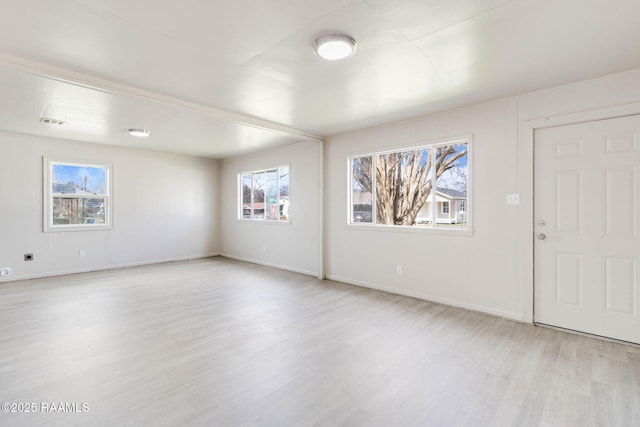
x=587 y=247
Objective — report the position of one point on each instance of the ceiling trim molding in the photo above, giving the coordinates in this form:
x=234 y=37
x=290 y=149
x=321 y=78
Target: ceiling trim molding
x=107 y=86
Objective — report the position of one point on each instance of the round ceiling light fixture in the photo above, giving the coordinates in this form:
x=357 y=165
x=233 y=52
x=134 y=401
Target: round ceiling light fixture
x=140 y=133
x=333 y=47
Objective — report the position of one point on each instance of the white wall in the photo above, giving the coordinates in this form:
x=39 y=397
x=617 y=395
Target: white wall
x=491 y=270
x=293 y=246
x=165 y=208
x=170 y=207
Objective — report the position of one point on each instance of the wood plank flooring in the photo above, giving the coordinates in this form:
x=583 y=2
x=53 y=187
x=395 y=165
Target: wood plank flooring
x=216 y=342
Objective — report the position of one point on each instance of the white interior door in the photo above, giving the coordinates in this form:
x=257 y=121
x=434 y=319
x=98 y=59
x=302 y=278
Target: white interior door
x=586 y=227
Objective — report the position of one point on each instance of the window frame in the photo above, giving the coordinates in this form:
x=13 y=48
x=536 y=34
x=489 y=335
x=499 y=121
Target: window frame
x=49 y=196
x=432 y=228
x=240 y=199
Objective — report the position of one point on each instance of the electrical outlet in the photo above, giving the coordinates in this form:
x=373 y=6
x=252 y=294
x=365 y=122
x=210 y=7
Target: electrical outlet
x=513 y=199
x=82 y=254
x=5 y=271
x=28 y=257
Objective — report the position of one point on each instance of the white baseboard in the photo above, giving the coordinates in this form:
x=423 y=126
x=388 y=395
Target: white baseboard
x=103 y=268
x=426 y=297
x=267 y=264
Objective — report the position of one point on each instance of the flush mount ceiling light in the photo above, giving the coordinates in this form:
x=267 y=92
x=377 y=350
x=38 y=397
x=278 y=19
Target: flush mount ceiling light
x=334 y=46
x=140 y=133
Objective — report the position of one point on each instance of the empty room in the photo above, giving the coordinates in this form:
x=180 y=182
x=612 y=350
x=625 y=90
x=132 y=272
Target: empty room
x=320 y=213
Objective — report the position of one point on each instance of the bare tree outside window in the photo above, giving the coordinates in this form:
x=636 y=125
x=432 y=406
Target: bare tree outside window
x=361 y=195
x=403 y=191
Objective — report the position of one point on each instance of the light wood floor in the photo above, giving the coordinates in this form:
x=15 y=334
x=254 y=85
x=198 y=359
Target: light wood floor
x=219 y=342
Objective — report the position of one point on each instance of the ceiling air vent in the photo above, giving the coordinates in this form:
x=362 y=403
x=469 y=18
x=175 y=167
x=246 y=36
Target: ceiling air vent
x=49 y=121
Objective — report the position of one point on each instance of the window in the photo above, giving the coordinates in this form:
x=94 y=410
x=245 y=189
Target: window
x=264 y=195
x=426 y=186
x=361 y=190
x=77 y=195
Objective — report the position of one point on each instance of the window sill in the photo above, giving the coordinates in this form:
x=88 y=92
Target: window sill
x=262 y=221
x=66 y=228
x=443 y=231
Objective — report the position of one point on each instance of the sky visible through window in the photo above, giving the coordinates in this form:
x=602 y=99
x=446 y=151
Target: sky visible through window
x=91 y=179
x=456 y=178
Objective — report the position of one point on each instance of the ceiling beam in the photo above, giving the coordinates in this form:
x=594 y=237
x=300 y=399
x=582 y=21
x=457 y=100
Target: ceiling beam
x=107 y=86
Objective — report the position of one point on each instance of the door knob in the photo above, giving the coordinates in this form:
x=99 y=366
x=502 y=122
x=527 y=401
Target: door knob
x=541 y=236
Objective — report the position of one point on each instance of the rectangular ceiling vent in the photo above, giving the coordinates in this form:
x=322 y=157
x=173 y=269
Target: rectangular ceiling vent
x=49 y=121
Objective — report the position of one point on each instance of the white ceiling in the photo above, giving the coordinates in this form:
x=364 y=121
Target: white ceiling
x=219 y=78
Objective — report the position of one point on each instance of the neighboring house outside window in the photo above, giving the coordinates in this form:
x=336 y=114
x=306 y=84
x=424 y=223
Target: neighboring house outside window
x=77 y=195
x=264 y=195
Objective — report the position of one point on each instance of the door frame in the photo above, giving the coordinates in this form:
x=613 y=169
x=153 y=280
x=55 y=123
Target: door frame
x=527 y=185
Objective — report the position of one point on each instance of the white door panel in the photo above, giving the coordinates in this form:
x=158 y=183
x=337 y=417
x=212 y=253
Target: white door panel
x=586 y=227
